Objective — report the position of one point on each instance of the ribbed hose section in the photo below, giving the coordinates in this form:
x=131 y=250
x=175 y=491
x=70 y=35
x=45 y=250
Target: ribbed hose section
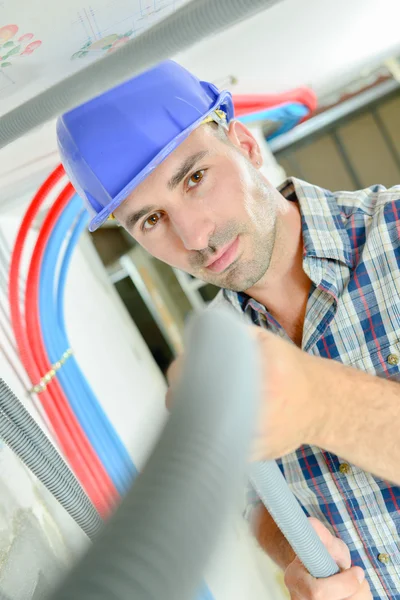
x=185 y=27
x=159 y=541
x=273 y=490
x=16 y=411
x=22 y=434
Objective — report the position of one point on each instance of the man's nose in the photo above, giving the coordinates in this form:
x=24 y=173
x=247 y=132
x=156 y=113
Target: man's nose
x=194 y=230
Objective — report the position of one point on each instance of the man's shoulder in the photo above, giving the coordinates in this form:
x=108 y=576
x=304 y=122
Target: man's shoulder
x=370 y=200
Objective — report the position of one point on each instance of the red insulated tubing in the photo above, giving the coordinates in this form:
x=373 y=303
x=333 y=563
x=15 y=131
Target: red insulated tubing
x=71 y=437
x=250 y=103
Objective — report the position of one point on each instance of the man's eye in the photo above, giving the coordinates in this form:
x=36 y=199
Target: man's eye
x=151 y=221
x=195 y=178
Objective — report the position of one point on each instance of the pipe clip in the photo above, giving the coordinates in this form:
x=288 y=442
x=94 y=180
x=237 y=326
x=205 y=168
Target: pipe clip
x=43 y=383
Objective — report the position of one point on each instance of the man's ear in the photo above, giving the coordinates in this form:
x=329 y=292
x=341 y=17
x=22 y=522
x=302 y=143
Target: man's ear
x=243 y=139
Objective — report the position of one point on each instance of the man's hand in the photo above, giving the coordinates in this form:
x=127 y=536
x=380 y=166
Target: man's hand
x=287 y=414
x=306 y=399
x=350 y=584
x=292 y=407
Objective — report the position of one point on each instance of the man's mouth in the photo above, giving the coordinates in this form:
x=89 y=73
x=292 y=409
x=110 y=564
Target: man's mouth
x=224 y=258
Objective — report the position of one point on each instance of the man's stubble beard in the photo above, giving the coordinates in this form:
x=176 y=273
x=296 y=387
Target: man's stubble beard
x=261 y=229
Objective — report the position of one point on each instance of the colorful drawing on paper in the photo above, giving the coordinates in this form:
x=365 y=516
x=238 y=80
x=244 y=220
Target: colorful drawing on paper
x=13 y=45
x=104 y=45
x=103 y=41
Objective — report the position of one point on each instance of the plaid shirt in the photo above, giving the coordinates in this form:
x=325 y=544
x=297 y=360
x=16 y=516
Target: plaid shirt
x=352 y=256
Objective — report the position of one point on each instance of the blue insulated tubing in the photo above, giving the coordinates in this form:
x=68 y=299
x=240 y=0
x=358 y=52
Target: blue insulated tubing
x=128 y=468
x=277 y=119
x=87 y=409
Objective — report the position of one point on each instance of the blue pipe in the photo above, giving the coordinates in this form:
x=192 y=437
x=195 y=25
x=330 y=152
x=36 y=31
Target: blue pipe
x=55 y=348
x=284 y=116
x=83 y=402
x=129 y=469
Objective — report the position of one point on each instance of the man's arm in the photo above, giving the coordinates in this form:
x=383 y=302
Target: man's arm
x=362 y=419
x=270 y=537
x=317 y=401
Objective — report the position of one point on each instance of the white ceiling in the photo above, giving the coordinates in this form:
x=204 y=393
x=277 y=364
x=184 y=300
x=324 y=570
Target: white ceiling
x=319 y=43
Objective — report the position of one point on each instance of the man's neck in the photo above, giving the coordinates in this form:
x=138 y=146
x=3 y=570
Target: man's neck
x=285 y=289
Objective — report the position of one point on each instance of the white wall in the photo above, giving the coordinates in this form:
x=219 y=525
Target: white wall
x=130 y=386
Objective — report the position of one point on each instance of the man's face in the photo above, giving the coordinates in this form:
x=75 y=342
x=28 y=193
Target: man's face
x=207 y=210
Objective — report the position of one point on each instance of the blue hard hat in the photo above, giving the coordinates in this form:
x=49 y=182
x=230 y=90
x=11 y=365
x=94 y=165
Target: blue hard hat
x=110 y=144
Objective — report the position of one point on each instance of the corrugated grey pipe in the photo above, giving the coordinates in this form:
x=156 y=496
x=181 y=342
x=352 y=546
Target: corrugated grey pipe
x=24 y=436
x=157 y=545
x=188 y=25
x=159 y=541
x=273 y=490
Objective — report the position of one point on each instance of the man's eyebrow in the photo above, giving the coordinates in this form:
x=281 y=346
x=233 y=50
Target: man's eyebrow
x=185 y=168
x=134 y=217
x=175 y=180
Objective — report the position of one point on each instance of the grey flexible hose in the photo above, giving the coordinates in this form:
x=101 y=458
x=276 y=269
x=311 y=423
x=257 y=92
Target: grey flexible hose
x=187 y=26
x=273 y=490
x=158 y=543
x=22 y=434
x=17 y=413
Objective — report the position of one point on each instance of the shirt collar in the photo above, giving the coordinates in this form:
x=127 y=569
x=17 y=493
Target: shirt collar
x=324 y=234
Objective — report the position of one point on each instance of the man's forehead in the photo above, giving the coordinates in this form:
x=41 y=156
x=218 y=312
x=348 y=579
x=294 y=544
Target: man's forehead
x=199 y=141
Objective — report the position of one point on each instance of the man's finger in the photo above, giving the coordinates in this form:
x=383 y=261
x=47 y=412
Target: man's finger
x=337 y=587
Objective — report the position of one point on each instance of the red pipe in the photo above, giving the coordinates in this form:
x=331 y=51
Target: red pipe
x=32 y=317
x=247 y=103
x=53 y=401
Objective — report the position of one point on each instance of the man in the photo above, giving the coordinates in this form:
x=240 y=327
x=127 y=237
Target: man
x=317 y=272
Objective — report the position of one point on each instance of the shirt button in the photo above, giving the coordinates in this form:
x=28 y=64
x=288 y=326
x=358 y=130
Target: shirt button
x=344 y=468
x=384 y=558
x=393 y=359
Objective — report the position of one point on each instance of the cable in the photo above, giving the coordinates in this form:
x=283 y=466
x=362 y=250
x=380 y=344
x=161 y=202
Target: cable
x=22 y=434
x=72 y=430
x=92 y=418
x=183 y=28
x=47 y=398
